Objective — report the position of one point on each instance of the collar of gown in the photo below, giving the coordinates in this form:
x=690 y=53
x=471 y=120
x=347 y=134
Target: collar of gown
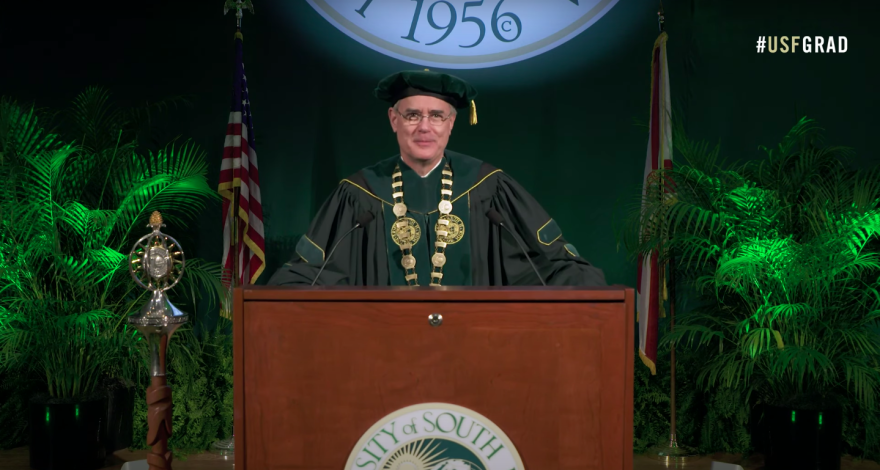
x=432 y=169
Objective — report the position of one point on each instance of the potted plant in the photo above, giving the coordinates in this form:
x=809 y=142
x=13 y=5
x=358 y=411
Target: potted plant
x=69 y=213
x=782 y=257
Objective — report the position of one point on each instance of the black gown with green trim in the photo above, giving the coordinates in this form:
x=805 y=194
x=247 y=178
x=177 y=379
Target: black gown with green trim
x=483 y=255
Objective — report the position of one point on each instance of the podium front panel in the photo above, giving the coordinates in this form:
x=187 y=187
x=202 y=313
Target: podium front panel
x=314 y=375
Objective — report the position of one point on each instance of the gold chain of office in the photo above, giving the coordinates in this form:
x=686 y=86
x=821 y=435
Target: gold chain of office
x=445 y=207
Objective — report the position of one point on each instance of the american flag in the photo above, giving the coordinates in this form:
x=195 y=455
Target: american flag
x=652 y=279
x=239 y=170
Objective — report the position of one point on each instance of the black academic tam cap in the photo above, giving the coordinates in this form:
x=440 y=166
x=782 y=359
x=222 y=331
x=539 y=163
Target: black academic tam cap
x=449 y=88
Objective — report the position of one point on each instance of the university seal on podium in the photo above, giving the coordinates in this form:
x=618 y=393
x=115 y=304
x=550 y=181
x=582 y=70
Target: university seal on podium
x=434 y=436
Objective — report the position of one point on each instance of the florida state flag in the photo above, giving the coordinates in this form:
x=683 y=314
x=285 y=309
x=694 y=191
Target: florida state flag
x=652 y=279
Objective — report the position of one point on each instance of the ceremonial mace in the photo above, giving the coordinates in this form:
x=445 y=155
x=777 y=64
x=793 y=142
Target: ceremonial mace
x=156 y=264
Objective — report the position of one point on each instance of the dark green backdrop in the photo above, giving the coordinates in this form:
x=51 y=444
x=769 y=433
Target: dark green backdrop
x=564 y=123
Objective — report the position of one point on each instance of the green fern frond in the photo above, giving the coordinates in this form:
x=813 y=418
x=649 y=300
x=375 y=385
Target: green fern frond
x=862 y=379
x=172 y=179
x=107 y=260
x=202 y=281
x=95 y=119
x=21 y=132
x=88 y=319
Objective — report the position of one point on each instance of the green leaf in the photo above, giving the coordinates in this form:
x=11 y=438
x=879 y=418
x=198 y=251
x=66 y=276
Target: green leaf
x=779 y=343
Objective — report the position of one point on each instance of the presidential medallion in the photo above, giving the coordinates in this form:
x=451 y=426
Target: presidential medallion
x=439 y=259
x=406 y=230
x=454 y=230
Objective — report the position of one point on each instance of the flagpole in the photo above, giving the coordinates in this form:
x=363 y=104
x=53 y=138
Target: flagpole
x=672 y=451
x=673 y=441
x=236 y=5
x=227 y=446
x=236 y=279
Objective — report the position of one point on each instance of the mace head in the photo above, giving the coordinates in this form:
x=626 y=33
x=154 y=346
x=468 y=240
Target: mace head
x=156 y=261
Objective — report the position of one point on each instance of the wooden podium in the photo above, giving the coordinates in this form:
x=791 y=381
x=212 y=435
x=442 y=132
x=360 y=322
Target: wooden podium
x=316 y=367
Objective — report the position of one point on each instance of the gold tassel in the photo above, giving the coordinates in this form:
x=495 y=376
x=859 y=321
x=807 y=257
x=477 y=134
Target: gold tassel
x=473 y=113
x=239 y=36
x=664 y=293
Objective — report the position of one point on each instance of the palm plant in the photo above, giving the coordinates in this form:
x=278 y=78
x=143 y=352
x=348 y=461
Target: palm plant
x=69 y=212
x=783 y=257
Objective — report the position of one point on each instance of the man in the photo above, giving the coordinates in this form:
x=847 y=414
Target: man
x=431 y=216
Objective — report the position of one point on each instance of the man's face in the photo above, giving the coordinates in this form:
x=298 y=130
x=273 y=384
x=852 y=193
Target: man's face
x=423 y=139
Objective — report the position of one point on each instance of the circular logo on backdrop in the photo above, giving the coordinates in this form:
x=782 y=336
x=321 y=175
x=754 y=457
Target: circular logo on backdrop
x=434 y=436
x=462 y=34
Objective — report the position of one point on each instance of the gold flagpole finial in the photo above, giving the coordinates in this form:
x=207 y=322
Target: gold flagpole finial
x=661 y=18
x=238 y=5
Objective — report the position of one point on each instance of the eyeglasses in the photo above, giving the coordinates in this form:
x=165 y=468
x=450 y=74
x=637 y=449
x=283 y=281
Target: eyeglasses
x=414 y=119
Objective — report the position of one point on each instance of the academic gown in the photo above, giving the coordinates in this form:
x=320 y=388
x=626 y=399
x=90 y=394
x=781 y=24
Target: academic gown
x=484 y=254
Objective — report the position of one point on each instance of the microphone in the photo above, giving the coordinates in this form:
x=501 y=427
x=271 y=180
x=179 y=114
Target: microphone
x=496 y=219
x=363 y=219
